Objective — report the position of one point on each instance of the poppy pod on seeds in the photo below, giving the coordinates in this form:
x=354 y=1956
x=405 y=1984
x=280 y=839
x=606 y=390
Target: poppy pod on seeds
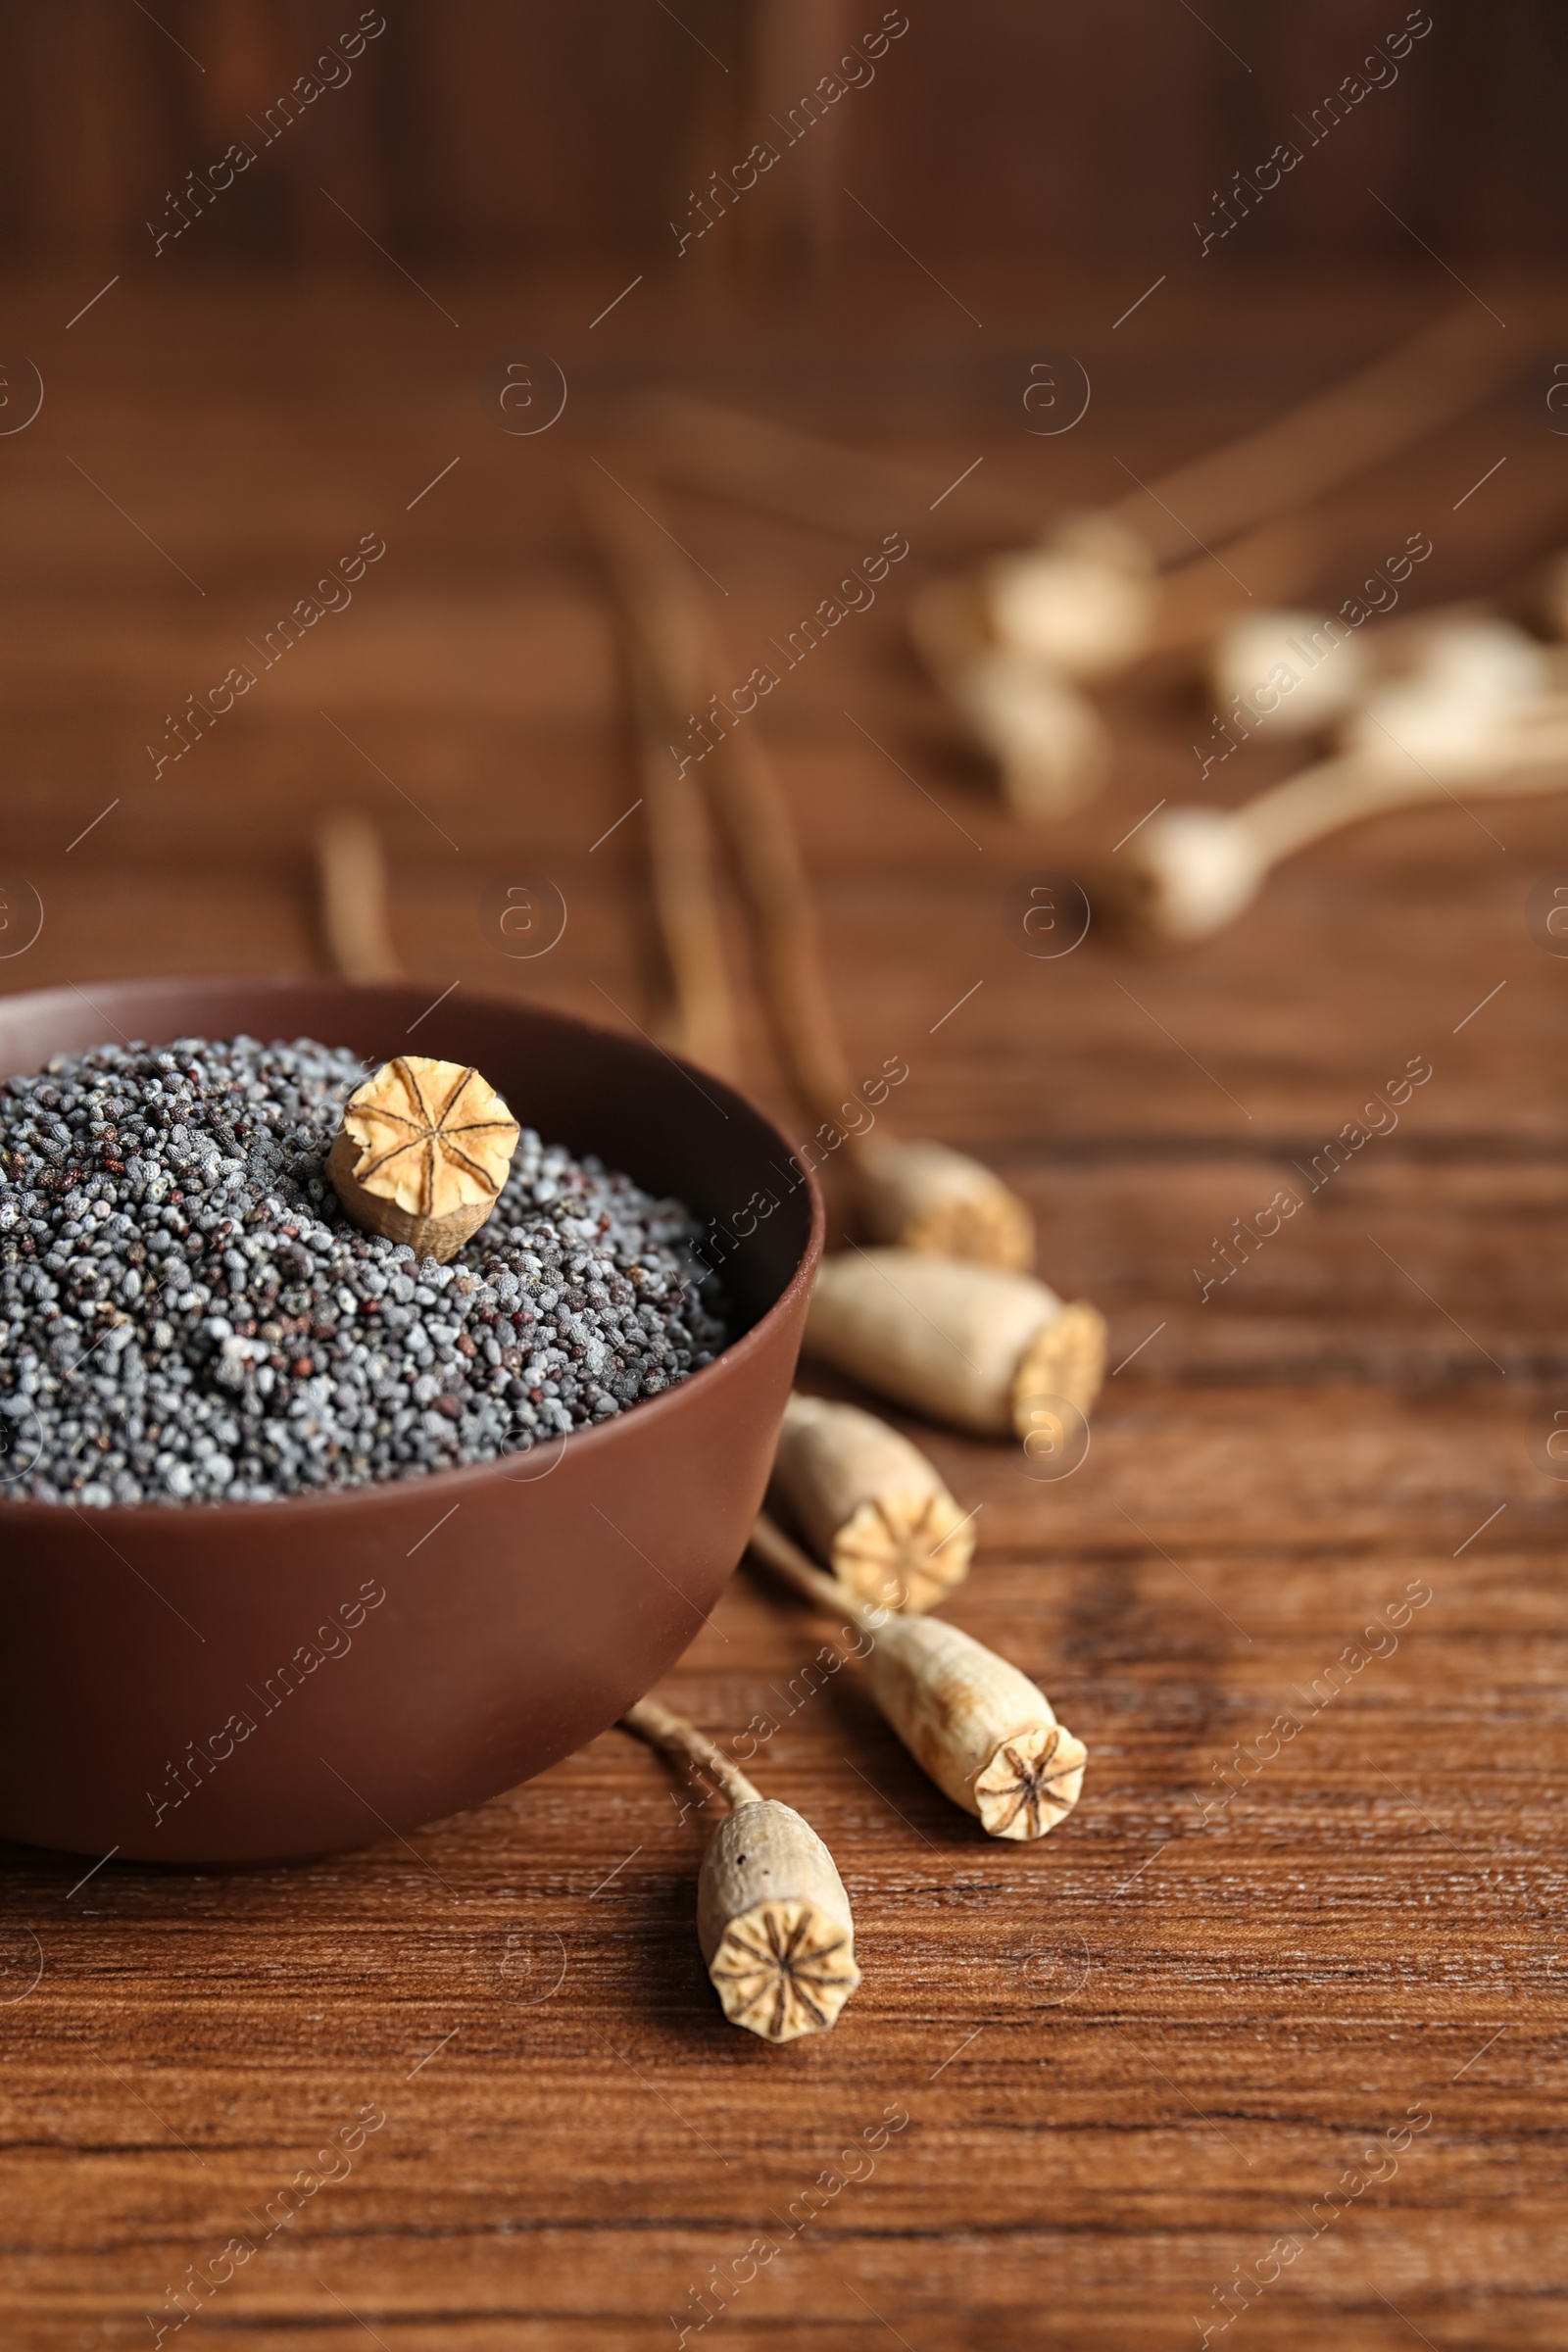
x=422 y=1153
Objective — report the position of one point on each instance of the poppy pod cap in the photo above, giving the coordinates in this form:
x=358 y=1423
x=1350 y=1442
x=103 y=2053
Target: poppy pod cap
x=422 y=1153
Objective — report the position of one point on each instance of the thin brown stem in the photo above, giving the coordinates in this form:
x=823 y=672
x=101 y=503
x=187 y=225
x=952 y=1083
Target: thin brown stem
x=663 y=1728
x=351 y=867
x=769 y=468
x=744 y=785
x=664 y=661
x=1401 y=396
x=675 y=638
x=791 y=1565
x=680 y=868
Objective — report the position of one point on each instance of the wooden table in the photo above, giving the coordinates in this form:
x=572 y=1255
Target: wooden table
x=1116 y=2068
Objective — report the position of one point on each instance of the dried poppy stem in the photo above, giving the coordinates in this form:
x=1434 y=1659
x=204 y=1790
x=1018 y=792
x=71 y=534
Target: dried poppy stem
x=1412 y=389
x=773 y=1920
x=925 y=1195
x=797 y=234
x=984 y=1732
x=680 y=867
x=675 y=1736
x=767 y=850
x=666 y=660
x=350 y=866
x=770 y=469
x=870 y=1505
x=1192 y=870
x=972 y=1346
x=1406 y=393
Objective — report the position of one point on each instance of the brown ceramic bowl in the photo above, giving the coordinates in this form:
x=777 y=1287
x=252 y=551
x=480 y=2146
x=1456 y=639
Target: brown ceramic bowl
x=522 y=1612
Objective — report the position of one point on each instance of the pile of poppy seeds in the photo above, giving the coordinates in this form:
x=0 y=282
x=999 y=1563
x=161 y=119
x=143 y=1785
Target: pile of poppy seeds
x=187 y=1315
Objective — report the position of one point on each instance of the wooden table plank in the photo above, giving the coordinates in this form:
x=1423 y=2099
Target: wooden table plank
x=1134 y=2058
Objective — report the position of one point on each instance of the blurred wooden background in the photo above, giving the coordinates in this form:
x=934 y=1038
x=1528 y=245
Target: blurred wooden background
x=513 y=129
x=1134 y=2057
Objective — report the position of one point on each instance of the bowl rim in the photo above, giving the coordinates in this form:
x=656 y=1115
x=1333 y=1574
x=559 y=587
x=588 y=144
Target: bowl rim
x=18 y=1509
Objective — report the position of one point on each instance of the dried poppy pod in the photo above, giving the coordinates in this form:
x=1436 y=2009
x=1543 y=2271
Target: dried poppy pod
x=922 y=1195
x=1008 y=643
x=870 y=1505
x=1049 y=742
x=1464 y=682
x=966 y=1344
x=1083 y=601
x=1190 y=871
x=1051 y=746
x=773 y=1920
x=1310 y=665
x=984 y=1732
x=422 y=1153
x=926 y=1196
x=1079 y=602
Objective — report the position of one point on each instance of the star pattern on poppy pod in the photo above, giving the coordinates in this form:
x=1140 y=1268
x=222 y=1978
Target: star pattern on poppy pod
x=784 y=1969
x=1031 y=1782
x=422 y=1152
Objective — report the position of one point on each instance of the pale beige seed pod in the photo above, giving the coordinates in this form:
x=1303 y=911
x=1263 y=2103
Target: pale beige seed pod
x=968 y=1345
x=870 y=1505
x=1047 y=741
x=1084 y=602
x=1190 y=871
x=422 y=1153
x=773 y=1922
x=1050 y=744
x=1078 y=603
x=1312 y=665
x=929 y=1197
x=1475 y=653
x=982 y=1730
x=1466 y=682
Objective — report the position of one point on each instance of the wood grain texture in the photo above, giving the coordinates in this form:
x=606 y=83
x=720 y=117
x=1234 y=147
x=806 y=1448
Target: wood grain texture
x=508 y=131
x=1131 y=2058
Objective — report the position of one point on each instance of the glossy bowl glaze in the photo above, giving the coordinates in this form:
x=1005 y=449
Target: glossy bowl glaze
x=222 y=1682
